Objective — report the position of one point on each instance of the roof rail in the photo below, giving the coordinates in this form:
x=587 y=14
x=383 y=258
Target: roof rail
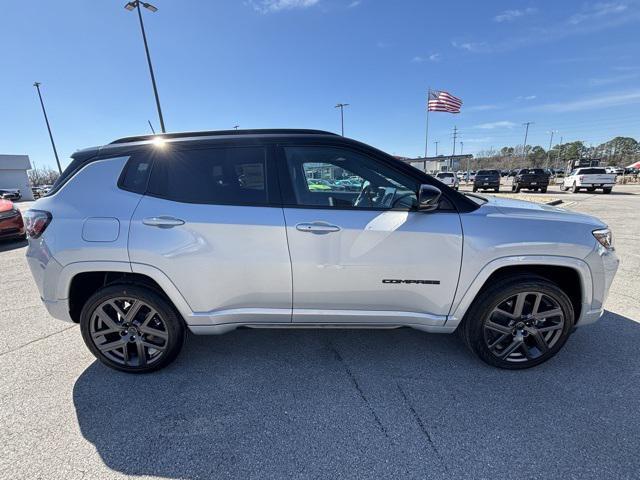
x=212 y=133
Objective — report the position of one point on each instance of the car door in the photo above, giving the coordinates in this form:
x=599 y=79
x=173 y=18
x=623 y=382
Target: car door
x=211 y=221
x=366 y=256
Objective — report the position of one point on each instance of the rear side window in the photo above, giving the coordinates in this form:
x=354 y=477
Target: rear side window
x=592 y=171
x=136 y=174
x=224 y=176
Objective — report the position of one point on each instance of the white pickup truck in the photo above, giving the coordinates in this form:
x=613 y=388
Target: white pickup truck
x=589 y=178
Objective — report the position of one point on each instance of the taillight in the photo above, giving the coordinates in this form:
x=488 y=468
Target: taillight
x=36 y=222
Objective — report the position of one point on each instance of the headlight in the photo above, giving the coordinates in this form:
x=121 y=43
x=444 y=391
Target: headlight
x=604 y=238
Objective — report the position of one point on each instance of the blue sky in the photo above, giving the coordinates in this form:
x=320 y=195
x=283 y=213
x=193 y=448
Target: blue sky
x=570 y=66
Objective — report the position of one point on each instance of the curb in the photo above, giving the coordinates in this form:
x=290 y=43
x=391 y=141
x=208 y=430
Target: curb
x=554 y=202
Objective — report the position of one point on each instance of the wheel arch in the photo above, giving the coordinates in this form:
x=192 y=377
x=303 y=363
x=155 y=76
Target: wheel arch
x=80 y=280
x=572 y=275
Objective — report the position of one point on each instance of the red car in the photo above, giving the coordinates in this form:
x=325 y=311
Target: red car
x=11 y=224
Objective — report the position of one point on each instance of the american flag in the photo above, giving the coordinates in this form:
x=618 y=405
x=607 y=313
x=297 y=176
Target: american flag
x=441 y=101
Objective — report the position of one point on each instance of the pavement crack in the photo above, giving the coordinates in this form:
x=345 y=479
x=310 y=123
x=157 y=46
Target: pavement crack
x=422 y=427
x=358 y=388
x=6 y=352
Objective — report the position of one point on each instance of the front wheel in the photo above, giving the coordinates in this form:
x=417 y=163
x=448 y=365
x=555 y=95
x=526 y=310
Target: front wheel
x=574 y=188
x=543 y=189
x=606 y=190
x=131 y=328
x=518 y=322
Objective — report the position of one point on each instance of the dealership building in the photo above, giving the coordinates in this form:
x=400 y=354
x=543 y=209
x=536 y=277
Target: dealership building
x=13 y=174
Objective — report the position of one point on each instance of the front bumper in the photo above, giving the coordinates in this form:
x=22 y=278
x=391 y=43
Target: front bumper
x=603 y=264
x=12 y=227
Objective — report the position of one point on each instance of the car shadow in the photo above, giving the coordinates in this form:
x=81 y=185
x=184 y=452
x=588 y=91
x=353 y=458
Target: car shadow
x=8 y=245
x=370 y=404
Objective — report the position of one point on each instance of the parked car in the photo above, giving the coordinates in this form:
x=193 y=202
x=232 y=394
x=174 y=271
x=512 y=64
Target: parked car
x=513 y=173
x=471 y=176
x=531 y=179
x=137 y=248
x=486 y=180
x=589 y=179
x=11 y=223
x=10 y=194
x=449 y=179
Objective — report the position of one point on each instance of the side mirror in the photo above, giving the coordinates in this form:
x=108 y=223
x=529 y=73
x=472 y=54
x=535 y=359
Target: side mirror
x=428 y=198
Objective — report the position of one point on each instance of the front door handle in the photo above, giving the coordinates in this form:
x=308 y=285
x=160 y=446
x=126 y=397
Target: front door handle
x=163 y=222
x=317 y=227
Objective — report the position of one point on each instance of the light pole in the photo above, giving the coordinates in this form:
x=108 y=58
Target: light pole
x=524 y=147
x=341 y=107
x=135 y=5
x=549 y=151
x=436 y=143
x=46 y=119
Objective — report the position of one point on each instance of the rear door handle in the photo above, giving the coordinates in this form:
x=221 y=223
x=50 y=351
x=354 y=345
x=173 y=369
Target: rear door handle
x=317 y=227
x=163 y=222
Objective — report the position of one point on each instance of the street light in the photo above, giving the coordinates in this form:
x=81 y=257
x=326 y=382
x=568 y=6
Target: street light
x=135 y=5
x=46 y=119
x=341 y=107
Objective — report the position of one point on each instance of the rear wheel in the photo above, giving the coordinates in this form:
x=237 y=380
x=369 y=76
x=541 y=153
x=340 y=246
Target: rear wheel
x=131 y=328
x=475 y=189
x=591 y=189
x=574 y=188
x=516 y=188
x=519 y=322
x=497 y=189
x=543 y=189
x=606 y=190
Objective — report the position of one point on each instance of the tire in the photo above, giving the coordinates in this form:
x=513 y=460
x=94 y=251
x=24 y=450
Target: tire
x=497 y=189
x=475 y=189
x=165 y=329
x=591 y=189
x=606 y=190
x=543 y=189
x=516 y=188
x=574 y=188
x=563 y=188
x=478 y=336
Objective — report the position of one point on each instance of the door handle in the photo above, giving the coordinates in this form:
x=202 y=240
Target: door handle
x=317 y=227
x=163 y=222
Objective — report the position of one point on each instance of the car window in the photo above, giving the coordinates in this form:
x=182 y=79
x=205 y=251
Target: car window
x=592 y=171
x=225 y=176
x=444 y=175
x=136 y=173
x=315 y=172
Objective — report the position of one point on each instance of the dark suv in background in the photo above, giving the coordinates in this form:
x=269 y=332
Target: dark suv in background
x=487 y=179
x=531 y=179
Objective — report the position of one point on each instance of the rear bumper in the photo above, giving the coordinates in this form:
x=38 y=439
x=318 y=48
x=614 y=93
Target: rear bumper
x=486 y=184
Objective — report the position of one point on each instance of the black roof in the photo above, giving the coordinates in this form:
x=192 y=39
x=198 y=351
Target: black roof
x=213 y=133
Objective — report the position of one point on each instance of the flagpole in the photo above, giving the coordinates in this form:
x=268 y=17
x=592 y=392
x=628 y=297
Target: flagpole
x=426 y=143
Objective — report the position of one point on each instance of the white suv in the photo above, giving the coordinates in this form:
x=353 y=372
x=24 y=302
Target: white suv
x=147 y=237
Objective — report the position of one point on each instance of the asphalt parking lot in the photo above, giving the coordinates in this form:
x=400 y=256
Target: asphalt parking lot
x=325 y=404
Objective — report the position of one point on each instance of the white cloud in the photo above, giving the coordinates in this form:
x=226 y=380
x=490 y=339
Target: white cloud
x=509 y=15
x=471 y=46
x=591 y=103
x=271 y=6
x=526 y=97
x=599 y=82
x=434 y=57
x=592 y=18
x=597 y=11
x=354 y=4
x=493 y=125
